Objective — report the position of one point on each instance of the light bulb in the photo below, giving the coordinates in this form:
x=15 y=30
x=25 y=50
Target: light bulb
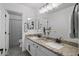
x=49 y=7
x=29 y=18
x=56 y=4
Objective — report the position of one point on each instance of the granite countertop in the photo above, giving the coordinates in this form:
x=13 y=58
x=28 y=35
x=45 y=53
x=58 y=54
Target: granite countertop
x=66 y=50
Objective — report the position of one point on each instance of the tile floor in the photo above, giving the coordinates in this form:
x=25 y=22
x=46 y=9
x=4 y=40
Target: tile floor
x=17 y=51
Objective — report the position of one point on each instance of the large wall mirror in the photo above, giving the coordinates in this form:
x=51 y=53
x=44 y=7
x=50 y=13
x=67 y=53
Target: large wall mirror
x=30 y=24
x=75 y=22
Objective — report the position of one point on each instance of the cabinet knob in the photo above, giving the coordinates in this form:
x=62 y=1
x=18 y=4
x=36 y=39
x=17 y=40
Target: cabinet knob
x=37 y=46
x=33 y=44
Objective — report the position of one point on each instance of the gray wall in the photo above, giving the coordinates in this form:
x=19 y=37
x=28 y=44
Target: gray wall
x=61 y=22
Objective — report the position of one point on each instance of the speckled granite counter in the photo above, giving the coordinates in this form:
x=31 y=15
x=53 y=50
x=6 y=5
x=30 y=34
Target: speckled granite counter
x=67 y=50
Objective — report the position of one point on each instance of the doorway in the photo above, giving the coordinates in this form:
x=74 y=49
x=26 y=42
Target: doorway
x=15 y=28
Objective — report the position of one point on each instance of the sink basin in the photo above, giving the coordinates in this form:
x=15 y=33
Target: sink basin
x=48 y=42
x=34 y=38
x=55 y=45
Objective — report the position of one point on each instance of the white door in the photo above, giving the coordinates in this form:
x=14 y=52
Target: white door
x=15 y=29
x=2 y=31
x=7 y=32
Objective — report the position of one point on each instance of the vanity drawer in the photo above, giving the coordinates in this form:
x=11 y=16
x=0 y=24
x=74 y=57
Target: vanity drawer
x=46 y=51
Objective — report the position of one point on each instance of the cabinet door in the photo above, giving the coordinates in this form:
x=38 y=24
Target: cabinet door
x=26 y=44
x=42 y=51
x=30 y=47
x=33 y=48
x=2 y=31
x=47 y=52
x=39 y=52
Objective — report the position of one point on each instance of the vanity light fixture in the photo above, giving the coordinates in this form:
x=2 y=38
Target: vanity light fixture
x=55 y=5
x=48 y=6
x=29 y=18
x=43 y=10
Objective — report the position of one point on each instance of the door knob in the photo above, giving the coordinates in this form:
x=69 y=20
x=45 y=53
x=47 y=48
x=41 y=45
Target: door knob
x=37 y=46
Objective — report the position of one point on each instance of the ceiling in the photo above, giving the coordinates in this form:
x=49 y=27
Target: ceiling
x=62 y=6
x=38 y=5
x=33 y=5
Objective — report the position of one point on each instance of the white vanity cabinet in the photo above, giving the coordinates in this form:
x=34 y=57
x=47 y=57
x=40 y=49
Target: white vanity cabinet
x=33 y=49
x=29 y=46
x=37 y=50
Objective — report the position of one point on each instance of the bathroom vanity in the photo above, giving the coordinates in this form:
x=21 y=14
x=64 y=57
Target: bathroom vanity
x=46 y=47
x=51 y=26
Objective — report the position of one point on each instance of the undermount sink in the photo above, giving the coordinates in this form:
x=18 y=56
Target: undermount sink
x=35 y=38
x=55 y=45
